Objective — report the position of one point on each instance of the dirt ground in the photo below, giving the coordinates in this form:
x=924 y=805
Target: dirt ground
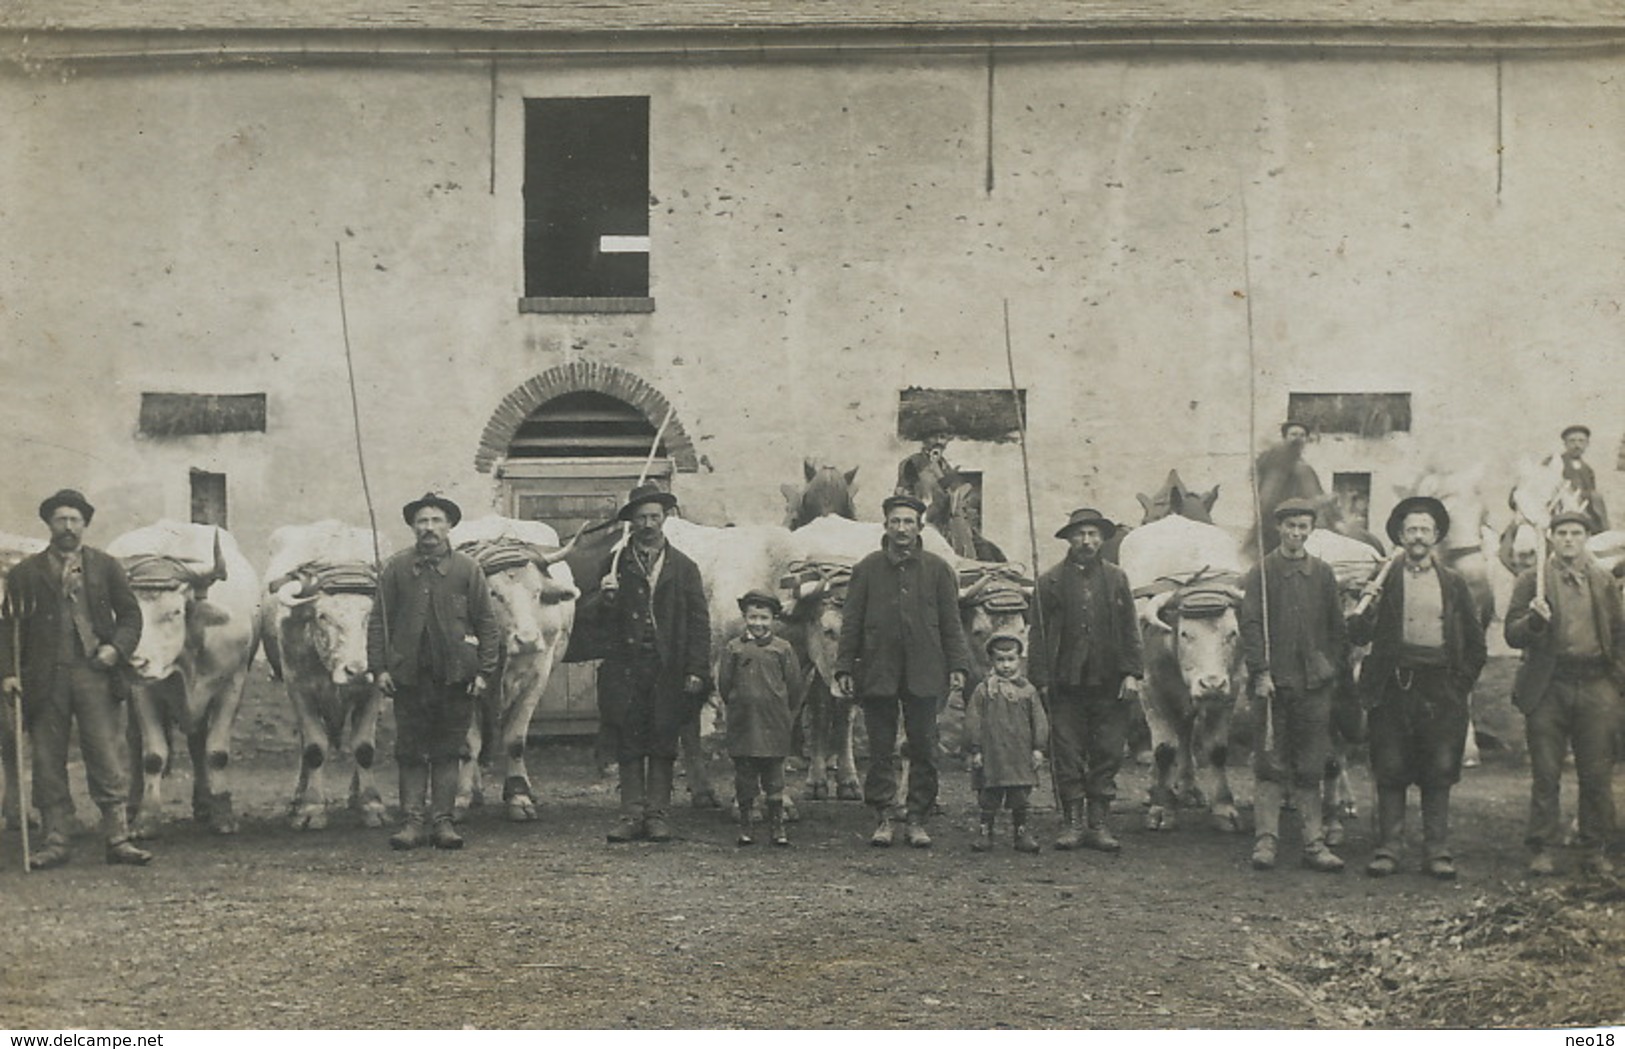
x=547 y=925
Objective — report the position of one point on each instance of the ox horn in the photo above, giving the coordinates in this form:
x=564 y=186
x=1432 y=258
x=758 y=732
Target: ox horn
x=543 y=560
x=217 y=573
x=293 y=591
x=1152 y=616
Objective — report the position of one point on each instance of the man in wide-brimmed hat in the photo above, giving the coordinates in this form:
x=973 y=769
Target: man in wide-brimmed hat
x=1089 y=664
x=1297 y=648
x=1568 y=688
x=433 y=643
x=71 y=608
x=654 y=677
x=902 y=649
x=1427 y=648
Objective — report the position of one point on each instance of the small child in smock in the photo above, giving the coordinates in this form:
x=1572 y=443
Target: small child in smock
x=1006 y=733
x=759 y=679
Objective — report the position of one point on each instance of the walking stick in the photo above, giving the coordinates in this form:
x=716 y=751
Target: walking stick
x=643 y=475
x=17 y=734
x=1041 y=650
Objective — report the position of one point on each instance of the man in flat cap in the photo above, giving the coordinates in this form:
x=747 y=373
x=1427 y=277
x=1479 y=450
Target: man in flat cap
x=1427 y=648
x=70 y=621
x=655 y=675
x=433 y=644
x=1282 y=474
x=1297 y=646
x=902 y=649
x=1089 y=664
x=1578 y=473
x=1568 y=688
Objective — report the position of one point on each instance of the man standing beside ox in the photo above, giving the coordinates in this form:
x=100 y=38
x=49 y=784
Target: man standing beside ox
x=654 y=677
x=433 y=644
x=1427 y=648
x=70 y=621
x=1090 y=666
x=1568 y=688
x=902 y=648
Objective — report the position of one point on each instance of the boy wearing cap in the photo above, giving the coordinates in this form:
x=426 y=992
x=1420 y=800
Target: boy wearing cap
x=433 y=644
x=1090 y=665
x=1568 y=688
x=72 y=612
x=1005 y=733
x=1293 y=633
x=1427 y=648
x=759 y=679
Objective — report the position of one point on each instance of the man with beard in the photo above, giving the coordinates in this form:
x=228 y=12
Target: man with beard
x=1090 y=665
x=1568 y=688
x=655 y=675
x=902 y=648
x=70 y=620
x=433 y=643
x=1427 y=648
x=1296 y=643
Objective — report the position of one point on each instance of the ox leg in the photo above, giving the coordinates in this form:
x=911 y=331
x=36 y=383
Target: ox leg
x=523 y=681
x=819 y=709
x=1159 y=813
x=210 y=766
x=308 y=809
x=469 y=773
x=1212 y=755
x=1470 y=758
x=364 y=746
x=847 y=785
x=701 y=795
x=149 y=752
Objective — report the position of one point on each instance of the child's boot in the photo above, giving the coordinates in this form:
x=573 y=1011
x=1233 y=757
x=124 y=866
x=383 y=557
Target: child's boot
x=747 y=822
x=984 y=836
x=1025 y=842
x=775 y=822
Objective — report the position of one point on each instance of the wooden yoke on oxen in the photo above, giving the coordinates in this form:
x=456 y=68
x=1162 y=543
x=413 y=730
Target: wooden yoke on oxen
x=824 y=578
x=326 y=577
x=1203 y=594
x=998 y=586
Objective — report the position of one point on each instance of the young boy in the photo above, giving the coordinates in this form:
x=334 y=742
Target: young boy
x=1005 y=732
x=759 y=679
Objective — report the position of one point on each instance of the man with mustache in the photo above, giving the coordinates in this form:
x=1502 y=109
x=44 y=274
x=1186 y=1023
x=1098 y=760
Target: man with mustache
x=1427 y=649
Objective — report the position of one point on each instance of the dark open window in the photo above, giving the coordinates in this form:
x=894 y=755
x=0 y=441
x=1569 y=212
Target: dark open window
x=965 y=415
x=189 y=414
x=586 y=202
x=1361 y=414
x=208 y=498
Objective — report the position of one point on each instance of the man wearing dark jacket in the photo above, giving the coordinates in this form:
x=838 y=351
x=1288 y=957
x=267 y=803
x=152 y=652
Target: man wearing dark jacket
x=71 y=611
x=1090 y=666
x=654 y=677
x=1427 y=648
x=902 y=649
x=433 y=644
x=1568 y=688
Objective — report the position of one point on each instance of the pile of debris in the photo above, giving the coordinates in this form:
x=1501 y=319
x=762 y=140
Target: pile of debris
x=1535 y=956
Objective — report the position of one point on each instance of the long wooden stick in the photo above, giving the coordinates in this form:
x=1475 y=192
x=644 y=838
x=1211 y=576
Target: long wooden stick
x=1252 y=462
x=360 y=456
x=643 y=475
x=17 y=734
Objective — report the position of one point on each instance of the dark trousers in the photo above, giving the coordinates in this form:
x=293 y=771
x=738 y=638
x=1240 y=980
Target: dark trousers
x=1580 y=710
x=1088 y=729
x=1417 y=729
x=989 y=799
x=83 y=693
x=918 y=715
x=749 y=773
x=1302 y=720
x=431 y=723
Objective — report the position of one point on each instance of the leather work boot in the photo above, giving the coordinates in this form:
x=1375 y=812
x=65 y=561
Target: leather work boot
x=983 y=842
x=1316 y=856
x=1071 y=836
x=1023 y=838
x=1442 y=868
x=443 y=795
x=1599 y=864
x=116 y=828
x=414 y=781
x=1542 y=864
x=746 y=819
x=1382 y=865
x=882 y=836
x=658 y=802
x=1098 y=834
x=1264 y=847
x=629 y=825
x=55 y=851
x=775 y=823
x=914 y=833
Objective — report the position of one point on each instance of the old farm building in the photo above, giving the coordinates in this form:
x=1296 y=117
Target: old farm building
x=792 y=228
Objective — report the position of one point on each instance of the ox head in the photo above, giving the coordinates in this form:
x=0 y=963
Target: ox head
x=1203 y=628
x=817 y=599
x=533 y=592
x=994 y=601
x=175 y=611
x=326 y=607
x=827 y=491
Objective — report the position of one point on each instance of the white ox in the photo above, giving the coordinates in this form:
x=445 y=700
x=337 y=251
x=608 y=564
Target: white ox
x=199 y=600
x=325 y=580
x=1186 y=576
x=13 y=548
x=533 y=594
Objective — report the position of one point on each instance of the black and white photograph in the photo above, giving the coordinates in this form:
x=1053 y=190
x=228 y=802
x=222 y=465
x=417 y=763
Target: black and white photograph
x=796 y=515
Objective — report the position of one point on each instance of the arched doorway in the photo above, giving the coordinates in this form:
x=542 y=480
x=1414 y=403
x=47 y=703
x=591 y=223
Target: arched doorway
x=565 y=448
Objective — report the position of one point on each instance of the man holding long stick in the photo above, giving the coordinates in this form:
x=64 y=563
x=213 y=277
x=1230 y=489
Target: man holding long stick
x=71 y=621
